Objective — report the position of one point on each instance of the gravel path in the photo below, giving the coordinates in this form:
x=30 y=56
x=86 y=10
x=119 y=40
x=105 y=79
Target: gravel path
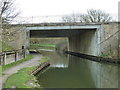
x=14 y=69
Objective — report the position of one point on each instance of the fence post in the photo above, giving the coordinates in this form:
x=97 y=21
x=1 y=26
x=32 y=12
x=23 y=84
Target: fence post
x=1 y=59
x=24 y=51
x=4 y=58
x=16 y=56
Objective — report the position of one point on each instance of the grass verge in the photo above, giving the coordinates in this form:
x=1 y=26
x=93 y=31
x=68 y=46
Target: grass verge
x=28 y=57
x=20 y=79
x=23 y=76
x=43 y=45
x=43 y=59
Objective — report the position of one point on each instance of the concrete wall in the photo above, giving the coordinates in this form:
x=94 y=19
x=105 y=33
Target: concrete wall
x=104 y=41
x=109 y=40
x=84 y=43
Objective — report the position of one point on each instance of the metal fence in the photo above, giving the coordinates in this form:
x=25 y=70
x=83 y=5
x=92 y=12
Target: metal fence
x=38 y=19
x=48 y=19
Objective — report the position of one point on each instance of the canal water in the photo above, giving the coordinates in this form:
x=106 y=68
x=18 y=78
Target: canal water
x=72 y=72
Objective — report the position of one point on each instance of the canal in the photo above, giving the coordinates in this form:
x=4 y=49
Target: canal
x=72 y=72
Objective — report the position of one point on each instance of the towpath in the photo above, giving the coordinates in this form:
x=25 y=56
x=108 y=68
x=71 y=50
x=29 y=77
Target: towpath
x=14 y=69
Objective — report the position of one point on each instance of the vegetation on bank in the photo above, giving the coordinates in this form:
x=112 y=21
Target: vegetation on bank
x=6 y=47
x=23 y=77
x=44 y=59
x=43 y=45
x=47 y=40
x=20 y=79
x=109 y=55
x=62 y=46
x=48 y=43
x=28 y=57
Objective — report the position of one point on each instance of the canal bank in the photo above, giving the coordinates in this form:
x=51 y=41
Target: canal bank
x=33 y=62
x=94 y=58
x=74 y=72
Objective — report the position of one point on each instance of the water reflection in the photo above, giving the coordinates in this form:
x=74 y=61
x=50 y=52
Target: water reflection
x=56 y=59
x=73 y=72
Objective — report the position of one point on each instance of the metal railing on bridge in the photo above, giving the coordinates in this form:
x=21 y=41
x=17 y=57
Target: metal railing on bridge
x=38 y=19
x=48 y=19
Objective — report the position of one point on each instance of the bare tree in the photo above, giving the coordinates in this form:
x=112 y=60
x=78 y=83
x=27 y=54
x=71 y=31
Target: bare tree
x=96 y=16
x=71 y=18
x=8 y=11
x=91 y=16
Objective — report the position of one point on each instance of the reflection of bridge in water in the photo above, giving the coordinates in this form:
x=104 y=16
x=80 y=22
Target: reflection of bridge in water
x=69 y=72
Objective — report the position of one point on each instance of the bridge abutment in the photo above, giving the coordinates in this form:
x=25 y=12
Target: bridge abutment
x=84 y=43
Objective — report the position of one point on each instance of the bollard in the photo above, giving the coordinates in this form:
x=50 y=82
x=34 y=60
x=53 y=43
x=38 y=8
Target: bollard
x=16 y=56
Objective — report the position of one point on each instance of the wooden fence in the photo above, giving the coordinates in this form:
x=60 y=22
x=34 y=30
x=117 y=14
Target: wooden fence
x=16 y=53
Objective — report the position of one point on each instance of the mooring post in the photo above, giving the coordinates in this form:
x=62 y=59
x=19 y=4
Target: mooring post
x=4 y=58
x=16 y=55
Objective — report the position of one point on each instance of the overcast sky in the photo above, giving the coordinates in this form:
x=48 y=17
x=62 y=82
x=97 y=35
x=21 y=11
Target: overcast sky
x=61 y=7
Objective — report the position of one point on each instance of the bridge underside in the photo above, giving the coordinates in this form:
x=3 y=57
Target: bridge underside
x=58 y=33
x=80 y=40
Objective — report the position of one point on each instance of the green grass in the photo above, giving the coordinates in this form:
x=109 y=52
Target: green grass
x=28 y=57
x=43 y=45
x=21 y=78
x=6 y=47
x=44 y=59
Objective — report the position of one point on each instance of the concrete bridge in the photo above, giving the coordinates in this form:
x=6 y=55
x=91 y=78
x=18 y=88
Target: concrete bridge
x=93 y=39
x=81 y=38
